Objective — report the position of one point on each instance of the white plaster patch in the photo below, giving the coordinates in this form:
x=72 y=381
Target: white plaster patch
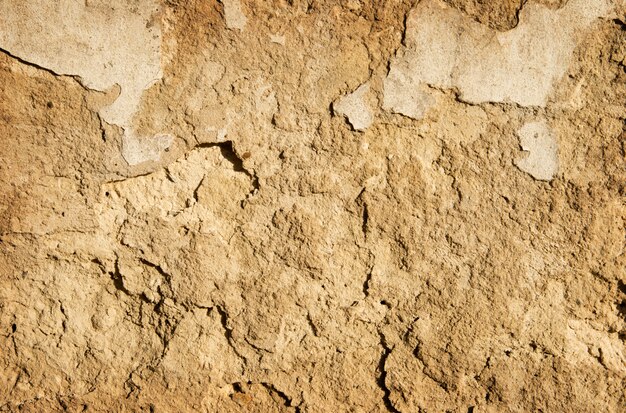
x=446 y=49
x=406 y=97
x=104 y=43
x=233 y=14
x=136 y=151
x=537 y=139
x=278 y=39
x=355 y=108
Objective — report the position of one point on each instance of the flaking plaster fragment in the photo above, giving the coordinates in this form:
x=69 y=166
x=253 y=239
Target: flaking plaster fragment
x=539 y=142
x=233 y=14
x=406 y=97
x=136 y=151
x=121 y=47
x=355 y=107
x=278 y=39
x=447 y=49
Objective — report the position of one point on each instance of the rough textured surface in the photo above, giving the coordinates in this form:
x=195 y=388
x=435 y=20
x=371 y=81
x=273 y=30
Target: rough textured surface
x=278 y=238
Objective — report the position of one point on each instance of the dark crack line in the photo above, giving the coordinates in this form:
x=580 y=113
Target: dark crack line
x=75 y=78
x=517 y=13
x=158 y=268
x=288 y=400
x=365 y=216
x=227 y=149
x=620 y=23
x=380 y=380
x=366 y=283
x=228 y=332
x=195 y=191
x=122 y=179
x=31 y=64
x=118 y=280
x=228 y=152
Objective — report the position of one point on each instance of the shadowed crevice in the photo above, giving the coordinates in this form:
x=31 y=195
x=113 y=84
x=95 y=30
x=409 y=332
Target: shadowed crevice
x=382 y=376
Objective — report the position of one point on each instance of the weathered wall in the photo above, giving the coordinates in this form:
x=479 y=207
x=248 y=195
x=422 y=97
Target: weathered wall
x=312 y=206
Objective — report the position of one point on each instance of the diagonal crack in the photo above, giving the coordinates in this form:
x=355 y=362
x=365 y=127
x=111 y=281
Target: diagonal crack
x=288 y=400
x=31 y=64
x=159 y=269
x=75 y=78
x=518 y=11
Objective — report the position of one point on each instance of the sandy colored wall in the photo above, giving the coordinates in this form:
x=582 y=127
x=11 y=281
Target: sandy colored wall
x=312 y=206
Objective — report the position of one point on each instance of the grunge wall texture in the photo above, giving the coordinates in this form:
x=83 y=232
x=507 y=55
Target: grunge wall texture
x=312 y=206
